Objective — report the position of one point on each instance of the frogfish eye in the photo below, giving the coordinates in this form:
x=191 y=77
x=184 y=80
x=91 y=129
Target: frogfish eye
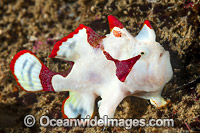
x=142 y=53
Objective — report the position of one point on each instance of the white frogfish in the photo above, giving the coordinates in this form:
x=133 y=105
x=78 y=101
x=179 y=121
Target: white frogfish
x=113 y=67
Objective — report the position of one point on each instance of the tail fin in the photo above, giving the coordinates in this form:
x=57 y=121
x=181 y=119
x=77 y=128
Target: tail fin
x=30 y=73
x=78 y=104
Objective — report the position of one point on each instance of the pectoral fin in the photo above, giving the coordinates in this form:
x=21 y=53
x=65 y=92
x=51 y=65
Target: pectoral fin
x=78 y=103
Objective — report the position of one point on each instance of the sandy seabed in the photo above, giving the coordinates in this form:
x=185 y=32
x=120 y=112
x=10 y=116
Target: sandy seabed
x=37 y=25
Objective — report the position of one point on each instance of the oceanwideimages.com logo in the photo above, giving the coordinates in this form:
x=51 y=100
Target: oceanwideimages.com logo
x=45 y=121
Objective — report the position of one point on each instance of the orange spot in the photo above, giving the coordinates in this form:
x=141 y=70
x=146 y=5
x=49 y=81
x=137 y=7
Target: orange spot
x=117 y=33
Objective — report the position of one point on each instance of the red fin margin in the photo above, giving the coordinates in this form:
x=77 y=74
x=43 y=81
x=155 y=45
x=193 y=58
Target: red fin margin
x=93 y=39
x=148 y=24
x=12 y=64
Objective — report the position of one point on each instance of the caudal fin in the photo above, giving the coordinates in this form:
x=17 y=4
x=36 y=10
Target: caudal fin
x=30 y=73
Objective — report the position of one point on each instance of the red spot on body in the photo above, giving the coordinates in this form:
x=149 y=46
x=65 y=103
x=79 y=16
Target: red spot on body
x=124 y=66
x=114 y=22
x=45 y=78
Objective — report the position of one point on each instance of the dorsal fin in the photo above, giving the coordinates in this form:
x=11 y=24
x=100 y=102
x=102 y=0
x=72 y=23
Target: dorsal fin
x=68 y=48
x=146 y=33
x=114 y=22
